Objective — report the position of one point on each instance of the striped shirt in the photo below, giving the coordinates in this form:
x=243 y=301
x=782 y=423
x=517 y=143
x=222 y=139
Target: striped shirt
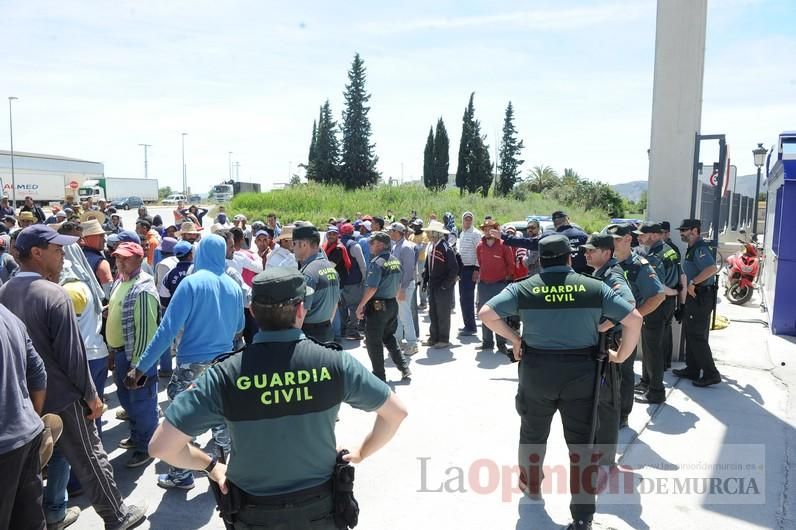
x=468 y=240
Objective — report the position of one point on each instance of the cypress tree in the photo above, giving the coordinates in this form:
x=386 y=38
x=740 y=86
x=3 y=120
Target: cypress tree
x=359 y=161
x=441 y=156
x=310 y=167
x=327 y=148
x=510 y=148
x=428 y=161
x=474 y=173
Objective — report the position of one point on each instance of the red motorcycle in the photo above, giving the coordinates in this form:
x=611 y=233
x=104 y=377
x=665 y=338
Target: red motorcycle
x=741 y=272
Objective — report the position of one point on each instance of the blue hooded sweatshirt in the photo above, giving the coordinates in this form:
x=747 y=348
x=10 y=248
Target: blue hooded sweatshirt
x=206 y=306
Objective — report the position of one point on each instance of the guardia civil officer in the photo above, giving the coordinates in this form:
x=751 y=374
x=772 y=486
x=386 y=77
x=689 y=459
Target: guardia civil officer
x=279 y=397
x=700 y=270
x=322 y=277
x=658 y=323
x=648 y=292
x=380 y=309
x=560 y=312
x=599 y=253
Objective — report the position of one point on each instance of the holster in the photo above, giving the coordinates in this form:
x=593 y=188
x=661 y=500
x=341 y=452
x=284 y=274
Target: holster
x=378 y=305
x=346 y=507
x=228 y=505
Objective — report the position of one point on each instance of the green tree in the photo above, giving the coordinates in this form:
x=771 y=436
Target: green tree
x=510 y=148
x=311 y=157
x=428 y=161
x=441 y=156
x=542 y=178
x=164 y=192
x=326 y=150
x=474 y=171
x=358 y=158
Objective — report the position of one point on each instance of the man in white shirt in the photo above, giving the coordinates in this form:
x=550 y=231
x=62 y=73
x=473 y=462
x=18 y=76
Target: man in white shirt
x=469 y=238
x=282 y=254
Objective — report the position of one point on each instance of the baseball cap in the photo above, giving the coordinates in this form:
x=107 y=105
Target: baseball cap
x=304 y=230
x=397 y=227
x=112 y=240
x=381 y=237
x=333 y=229
x=61 y=214
x=182 y=248
x=279 y=285
x=367 y=225
x=601 y=241
x=36 y=235
x=240 y=217
x=554 y=246
x=690 y=223
x=127 y=236
x=127 y=250
x=558 y=214
x=649 y=228
x=261 y=233
x=347 y=229
x=167 y=245
x=620 y=230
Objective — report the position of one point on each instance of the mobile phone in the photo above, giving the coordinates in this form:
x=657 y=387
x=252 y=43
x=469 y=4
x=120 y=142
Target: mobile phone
x=141 y=381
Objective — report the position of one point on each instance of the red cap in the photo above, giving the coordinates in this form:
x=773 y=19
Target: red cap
x=347 y=229
x=127 y=250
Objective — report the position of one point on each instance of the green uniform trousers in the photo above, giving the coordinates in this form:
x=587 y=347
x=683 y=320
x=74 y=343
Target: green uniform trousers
x=564 y=384
x=653 y=339
x=380 y=329
x=313 y=512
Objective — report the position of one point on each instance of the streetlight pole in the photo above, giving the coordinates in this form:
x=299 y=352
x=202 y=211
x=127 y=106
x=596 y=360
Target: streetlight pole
x=237 y=170
x=146 y=163
x=184 y=176
x=760 y=159
x=230 y=164
x=11 y=134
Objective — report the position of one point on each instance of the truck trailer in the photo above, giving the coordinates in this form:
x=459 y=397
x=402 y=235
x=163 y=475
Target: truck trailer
x=111 y=189
x=42 y=188
x=226 y=190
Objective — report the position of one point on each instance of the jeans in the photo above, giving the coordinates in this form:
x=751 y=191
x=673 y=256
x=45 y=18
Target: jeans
x=349 y=298
x=55 y=495
x=406 y=324
x=141 y=404
x=467 y=297
x=181 y=379
x=486 y=291
x=415 y=319
x=99 y=374
x=336 y=324
x=421 y=266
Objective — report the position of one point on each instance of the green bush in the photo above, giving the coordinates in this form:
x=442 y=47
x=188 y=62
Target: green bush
x=317 y=203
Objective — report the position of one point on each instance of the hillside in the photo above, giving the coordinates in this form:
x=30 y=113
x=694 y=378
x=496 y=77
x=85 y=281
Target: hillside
x=745 y=185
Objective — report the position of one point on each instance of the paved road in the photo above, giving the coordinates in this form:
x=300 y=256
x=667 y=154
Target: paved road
x=445 y=468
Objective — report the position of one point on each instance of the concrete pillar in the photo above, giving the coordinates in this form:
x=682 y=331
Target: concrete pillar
x=676 y=106
x=676 y=113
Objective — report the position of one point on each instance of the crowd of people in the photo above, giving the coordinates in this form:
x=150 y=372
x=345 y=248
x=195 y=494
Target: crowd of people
x=156 y=301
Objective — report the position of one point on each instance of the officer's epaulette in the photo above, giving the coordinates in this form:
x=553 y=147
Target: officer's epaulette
x=643 y=260
x=331 y=344
x=225 y=356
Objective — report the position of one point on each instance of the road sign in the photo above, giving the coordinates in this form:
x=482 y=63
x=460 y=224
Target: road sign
x=74 y=185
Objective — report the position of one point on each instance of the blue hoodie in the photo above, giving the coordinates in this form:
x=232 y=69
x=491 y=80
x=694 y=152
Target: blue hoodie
x=206 y=306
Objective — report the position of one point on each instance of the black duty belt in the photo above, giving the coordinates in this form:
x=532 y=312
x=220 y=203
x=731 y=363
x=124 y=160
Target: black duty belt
x=381 y=300
x=577 y=352
x=316 y=325
x=287 y=498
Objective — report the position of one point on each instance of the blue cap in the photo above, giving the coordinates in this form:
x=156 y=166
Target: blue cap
x=167 y=245
x=36 y=235
x=112 y=240
x=127 y=236
x=182 y=248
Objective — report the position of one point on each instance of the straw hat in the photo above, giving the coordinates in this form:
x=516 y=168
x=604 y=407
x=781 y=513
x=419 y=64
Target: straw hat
x=286 y=233
x=53 y=427
x=92 y=228
x=92 y=214
x=491 y=224
x=187 y=228
x=436 y=226
x=26 y=216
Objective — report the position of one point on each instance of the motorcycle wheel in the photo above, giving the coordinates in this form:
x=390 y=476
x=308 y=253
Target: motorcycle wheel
x=739 y=295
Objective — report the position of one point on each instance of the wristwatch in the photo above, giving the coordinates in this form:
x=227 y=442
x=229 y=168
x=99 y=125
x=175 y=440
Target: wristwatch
x=211 y=465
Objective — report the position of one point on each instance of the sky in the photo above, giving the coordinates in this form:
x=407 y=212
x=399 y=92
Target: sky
x=95 y=79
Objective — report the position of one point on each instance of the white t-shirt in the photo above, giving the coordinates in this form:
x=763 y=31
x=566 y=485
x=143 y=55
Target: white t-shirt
x=89 y=322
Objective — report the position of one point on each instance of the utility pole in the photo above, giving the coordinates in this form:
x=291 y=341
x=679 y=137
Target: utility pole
x=11 y=133
x=146 y=163
x=184 y=172
x=237 y=170
x=230 y=164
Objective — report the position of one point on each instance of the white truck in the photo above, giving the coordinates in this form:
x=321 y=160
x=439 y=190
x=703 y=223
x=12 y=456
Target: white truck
x=42 y=188
x=111 y=189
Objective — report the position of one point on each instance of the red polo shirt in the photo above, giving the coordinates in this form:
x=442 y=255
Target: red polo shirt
x=496 y=263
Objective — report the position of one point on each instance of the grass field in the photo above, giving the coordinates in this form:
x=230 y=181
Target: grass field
x=317 y=203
